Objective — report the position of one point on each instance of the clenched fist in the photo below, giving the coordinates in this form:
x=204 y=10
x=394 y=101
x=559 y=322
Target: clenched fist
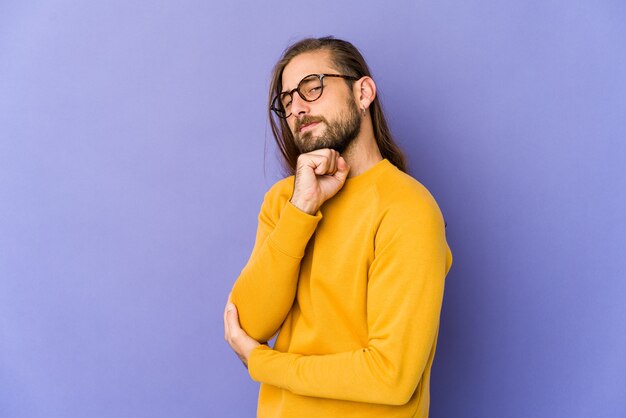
x=319 y=176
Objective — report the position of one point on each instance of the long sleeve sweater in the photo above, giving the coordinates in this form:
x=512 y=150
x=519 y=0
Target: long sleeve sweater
x=355 y=292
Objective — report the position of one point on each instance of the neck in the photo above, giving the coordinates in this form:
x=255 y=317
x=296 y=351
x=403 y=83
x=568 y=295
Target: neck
x=363 y=152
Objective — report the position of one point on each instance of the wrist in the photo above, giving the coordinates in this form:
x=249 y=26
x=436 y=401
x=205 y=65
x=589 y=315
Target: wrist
x=305 y=206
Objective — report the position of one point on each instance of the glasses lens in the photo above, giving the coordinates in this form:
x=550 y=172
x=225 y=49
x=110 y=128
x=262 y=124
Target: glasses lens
x=285 y=101
x=310 y=88
x=278 y=108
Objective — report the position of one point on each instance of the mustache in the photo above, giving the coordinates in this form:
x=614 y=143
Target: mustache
x=307 y=120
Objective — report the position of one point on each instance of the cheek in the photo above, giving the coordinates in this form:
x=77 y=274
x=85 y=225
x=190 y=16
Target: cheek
x=290 y=125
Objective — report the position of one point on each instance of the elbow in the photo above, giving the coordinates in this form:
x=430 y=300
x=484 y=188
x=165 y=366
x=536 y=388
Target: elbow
x=258 y=327
x=259 y=330
x=261 y=334
x=253 y=327
x=259 y=320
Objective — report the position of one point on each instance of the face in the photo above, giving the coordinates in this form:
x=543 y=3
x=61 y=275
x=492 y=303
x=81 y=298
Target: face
x=333 y=120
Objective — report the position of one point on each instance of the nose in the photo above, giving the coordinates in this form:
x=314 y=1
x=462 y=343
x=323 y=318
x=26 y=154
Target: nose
x=299 y=106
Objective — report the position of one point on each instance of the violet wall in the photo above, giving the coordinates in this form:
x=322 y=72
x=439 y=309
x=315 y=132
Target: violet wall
x=135 y=152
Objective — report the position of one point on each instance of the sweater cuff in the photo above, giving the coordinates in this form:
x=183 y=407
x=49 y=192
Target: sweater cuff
x=294 y=230
x=269 y=366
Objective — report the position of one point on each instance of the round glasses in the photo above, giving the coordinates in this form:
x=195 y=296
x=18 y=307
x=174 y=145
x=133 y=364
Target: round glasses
x=310 y=88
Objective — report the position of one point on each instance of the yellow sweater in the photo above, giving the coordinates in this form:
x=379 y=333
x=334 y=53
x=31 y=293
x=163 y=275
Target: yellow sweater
x=356 y=292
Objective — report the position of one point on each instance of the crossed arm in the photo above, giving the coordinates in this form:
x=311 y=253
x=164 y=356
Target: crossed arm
x=405 y=292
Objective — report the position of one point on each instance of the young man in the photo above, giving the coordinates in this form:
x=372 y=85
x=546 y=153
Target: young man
x=350 y=254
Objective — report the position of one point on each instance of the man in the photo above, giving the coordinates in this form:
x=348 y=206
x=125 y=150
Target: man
x=350 y=254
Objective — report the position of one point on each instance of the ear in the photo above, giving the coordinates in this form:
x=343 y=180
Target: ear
x=364 y=91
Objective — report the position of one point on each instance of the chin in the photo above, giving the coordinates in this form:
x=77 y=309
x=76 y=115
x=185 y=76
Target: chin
x=309 y=142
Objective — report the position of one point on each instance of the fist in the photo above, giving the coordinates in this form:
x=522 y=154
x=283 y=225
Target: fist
x=320 y=174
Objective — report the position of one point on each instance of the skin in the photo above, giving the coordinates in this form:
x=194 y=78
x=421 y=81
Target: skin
x=239 y=341
x=321 y=173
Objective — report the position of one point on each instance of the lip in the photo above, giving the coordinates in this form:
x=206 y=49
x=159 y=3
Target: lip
x=307 y=127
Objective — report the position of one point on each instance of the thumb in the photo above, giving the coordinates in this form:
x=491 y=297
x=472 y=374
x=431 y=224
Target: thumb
x=342 y=169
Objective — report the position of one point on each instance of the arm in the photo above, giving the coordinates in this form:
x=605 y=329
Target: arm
x=405 y=291
x=265 y=289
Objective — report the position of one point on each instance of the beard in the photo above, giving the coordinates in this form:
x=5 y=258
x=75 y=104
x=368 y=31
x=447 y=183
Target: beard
x=337 y=135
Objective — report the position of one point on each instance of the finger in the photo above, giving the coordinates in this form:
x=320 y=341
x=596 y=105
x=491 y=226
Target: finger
x=229 y=329
x=336 y=156
x=226 y=330
x=342 y=170
x=319 y=163
x=332 y=162
x=228 y=301
x=320 y=151
x=319 y=155
x=232 y=319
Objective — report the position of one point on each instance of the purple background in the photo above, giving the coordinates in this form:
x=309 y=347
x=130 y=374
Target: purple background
x=135 y=152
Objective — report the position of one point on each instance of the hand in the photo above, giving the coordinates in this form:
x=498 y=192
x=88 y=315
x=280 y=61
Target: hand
x=320 y=174
x=236 y=337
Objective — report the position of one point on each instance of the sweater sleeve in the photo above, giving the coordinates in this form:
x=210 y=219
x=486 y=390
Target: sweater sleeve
x=265 y=289
x=405 y=292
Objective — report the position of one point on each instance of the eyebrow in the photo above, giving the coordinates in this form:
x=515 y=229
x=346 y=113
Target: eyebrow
x=305 y=76
x=286 y=91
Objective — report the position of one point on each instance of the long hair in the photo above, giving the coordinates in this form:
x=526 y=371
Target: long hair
x=349 y=61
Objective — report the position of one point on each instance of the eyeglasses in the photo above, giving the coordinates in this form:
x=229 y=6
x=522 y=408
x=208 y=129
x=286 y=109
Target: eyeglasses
x=310 y=88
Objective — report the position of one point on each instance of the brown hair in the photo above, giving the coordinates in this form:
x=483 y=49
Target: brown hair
x=347 y=59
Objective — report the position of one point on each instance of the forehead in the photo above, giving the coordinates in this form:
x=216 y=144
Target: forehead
x=316 y=62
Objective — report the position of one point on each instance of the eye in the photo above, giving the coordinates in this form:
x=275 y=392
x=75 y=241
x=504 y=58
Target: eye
x=285 y=100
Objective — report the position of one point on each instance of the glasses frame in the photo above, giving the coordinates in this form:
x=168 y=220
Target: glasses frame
x=280 y=112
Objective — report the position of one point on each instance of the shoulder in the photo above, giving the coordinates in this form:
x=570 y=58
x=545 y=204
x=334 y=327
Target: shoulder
x=399 y=190
x=405 y=203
